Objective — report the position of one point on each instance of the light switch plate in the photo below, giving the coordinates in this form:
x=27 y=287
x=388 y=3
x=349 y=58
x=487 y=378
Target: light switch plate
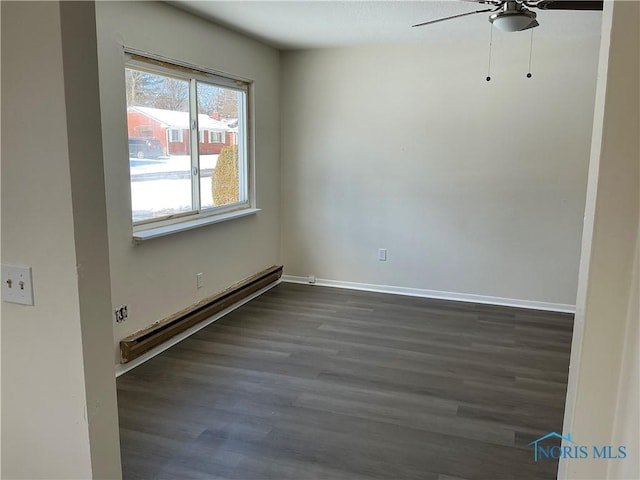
x=17 y=285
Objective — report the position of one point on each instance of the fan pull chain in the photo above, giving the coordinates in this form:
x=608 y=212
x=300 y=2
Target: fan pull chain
x=530 y=51
x=490 y=45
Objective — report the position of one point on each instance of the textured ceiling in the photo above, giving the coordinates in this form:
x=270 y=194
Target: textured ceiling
x=317 y=24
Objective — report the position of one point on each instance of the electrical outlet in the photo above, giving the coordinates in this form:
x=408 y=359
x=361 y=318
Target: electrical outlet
x=382 y=254
x=121 y=313
x=199 y=280
x=17 y=285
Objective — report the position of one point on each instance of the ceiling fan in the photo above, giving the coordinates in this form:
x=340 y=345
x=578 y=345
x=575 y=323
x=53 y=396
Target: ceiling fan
x=515 y=16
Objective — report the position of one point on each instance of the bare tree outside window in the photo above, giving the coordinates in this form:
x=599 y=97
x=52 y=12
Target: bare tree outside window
x=151 y=90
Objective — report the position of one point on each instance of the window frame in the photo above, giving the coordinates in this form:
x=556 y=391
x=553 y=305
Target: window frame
x=199 y=216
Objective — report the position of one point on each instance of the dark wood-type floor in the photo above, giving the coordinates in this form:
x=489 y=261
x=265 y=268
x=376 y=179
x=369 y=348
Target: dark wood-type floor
x=307 y=382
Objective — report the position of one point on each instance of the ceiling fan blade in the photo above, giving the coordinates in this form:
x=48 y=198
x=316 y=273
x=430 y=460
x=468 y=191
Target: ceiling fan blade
x=534 y=23
x=569 y=5
x=495 y=3
x=453 y=16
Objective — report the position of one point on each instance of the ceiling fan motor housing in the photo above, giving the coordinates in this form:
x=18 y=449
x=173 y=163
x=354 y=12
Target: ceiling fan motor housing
x=513 y=17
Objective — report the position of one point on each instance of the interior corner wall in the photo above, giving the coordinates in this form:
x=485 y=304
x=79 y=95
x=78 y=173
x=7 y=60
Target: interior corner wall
x=600 y=352
x=59 y=413
x=473 y=187
x=35 y=443
x=82 y=100
x=158 y=277
x=626 y=429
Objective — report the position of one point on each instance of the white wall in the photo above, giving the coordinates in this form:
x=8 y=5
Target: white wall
x=59 y=414
x=601 y=375
x=473 y=187
x=626 y=430
x=158 y=278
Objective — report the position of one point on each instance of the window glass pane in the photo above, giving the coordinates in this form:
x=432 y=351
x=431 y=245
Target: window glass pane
x=159 y=144
x=221 y=167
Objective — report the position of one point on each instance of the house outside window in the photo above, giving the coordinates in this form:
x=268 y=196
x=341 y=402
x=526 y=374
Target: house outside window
x=187 y=179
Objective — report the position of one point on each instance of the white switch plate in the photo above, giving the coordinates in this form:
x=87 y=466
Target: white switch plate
x=199 y=280
x=382 y=254
x=17 y=286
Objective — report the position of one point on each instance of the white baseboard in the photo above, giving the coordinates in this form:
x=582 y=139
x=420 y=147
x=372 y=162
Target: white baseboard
x=436 y=294
x=125 y=367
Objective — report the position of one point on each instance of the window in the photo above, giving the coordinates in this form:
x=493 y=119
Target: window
x=179 y=177
x=216 y=137
x=175 y=135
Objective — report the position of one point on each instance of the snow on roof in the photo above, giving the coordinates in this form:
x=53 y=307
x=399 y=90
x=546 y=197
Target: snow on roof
x=173 y=119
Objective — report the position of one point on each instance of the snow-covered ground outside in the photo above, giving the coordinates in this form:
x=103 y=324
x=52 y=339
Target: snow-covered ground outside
x=171 y=193
x=174 y=163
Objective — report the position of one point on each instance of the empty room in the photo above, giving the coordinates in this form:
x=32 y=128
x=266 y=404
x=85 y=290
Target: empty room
x=320 y=240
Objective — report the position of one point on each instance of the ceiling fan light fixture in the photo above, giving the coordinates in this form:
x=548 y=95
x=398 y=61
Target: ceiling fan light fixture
x=514 y=21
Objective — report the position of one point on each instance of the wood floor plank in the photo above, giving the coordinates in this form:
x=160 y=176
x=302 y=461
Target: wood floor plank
x=308 y=382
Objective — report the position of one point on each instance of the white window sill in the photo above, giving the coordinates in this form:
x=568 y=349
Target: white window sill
x=155 y=232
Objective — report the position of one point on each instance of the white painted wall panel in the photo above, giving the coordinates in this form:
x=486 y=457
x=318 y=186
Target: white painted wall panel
x=474 y=187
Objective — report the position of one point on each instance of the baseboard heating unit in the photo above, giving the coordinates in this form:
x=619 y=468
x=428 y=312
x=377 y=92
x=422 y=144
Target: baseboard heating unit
x=144 y=340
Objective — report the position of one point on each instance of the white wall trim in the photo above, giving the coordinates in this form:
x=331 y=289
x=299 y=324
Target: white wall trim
x=436 y=294
x=123 y=368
